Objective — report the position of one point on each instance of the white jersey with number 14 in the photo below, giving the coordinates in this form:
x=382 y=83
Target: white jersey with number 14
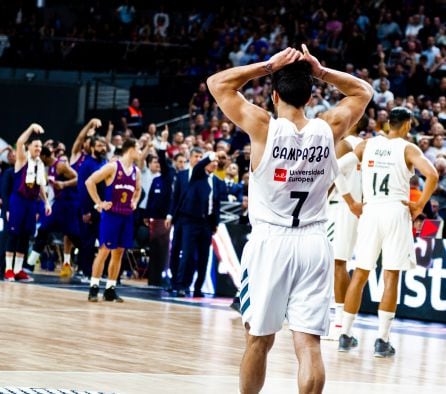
x=385 y=176
x=289 y=187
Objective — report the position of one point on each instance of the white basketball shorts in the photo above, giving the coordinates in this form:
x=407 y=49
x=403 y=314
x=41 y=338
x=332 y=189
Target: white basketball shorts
x=346 y=232
x=386 y=226
x=287 y=273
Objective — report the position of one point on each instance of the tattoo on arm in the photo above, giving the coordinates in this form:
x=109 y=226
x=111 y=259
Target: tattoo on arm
x=268 y=68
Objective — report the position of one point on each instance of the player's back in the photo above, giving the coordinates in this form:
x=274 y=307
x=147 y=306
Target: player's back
x=385 y=175
x=289 y=186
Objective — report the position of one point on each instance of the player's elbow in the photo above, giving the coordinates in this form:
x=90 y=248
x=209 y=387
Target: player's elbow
x=366 y=91
x=212 y=83
x=433 y=175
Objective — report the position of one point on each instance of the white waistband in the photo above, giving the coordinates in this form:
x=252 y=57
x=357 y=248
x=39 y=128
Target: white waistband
x=268 y=229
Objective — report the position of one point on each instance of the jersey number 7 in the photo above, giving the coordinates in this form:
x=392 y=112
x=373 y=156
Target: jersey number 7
x=302 y=196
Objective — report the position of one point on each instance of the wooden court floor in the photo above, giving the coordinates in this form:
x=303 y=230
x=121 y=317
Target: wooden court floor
x=53 y=338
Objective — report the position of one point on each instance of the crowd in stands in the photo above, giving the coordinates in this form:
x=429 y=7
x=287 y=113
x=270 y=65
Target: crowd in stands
x=399 y=47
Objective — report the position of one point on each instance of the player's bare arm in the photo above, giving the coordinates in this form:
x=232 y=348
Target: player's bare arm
x=64 y=169
x=415 y=158
x=225 y=85
x=44 y=198
x=137 y=193
x=85 y=132
x=350 y=109
x=106 y=174
x=24 y=137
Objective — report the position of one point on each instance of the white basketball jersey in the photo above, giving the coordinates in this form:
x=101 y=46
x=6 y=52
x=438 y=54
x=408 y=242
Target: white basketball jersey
x=354 y=178
x=289 y=187
x=385 y=176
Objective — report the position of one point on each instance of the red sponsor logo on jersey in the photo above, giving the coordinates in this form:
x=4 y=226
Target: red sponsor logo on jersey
x=280 y=174
x=358 y=167
x=371 y=163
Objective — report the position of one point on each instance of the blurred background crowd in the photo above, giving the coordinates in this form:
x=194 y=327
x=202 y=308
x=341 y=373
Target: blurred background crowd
x=398 y=46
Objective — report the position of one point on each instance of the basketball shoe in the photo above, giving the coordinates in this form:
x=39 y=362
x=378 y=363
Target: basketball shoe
x=383 y=349
x=22 y=276
x=110 y=295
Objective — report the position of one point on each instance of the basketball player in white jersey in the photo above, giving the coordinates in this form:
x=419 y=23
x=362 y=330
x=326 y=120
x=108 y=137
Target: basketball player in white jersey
x=346 y=224
x=287 y=263
x=387 y=164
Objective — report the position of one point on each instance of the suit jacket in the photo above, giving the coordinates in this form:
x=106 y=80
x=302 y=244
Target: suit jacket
x=236 y=190
x=192 y=198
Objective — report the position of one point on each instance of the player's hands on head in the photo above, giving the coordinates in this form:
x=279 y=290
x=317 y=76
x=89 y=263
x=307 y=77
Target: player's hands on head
x=316 y=67
x=282 y=59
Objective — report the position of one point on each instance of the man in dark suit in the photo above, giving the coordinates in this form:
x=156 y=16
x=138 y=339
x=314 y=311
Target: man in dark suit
x=180 y=187
x=199 y=212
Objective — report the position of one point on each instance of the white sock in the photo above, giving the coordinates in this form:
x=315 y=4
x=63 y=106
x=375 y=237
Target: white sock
x=347 y=323
x=338 y=314
x=385 y=321
x=8 y=261
x=94 y=281
x=18 y=264
x=110 y=283
x=33 y=257
x=67 y=258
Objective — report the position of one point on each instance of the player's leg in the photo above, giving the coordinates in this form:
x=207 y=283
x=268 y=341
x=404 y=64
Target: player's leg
x=386 y=313
x=98 y=268
x=253 y=365
x=341 y=283
x=311 y=373
x=352 y=303
x=113 y=272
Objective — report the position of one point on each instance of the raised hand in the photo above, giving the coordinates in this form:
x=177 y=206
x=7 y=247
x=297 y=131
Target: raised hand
x=316 y=69
x=282 y=59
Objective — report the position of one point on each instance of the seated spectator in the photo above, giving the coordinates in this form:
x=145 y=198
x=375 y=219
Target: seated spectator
x=437 y=148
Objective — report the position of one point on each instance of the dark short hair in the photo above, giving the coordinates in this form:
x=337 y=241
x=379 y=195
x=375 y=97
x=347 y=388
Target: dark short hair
x=175 y=158
x=399 y=115
x=34 y=137
x=98 y=138
x=45 y=152
x=294 y=83
x=128 y=144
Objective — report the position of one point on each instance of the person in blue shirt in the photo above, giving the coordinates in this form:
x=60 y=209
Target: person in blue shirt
x=89 y=215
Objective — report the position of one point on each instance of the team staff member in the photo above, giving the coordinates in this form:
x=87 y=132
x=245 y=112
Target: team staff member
x=122 y=191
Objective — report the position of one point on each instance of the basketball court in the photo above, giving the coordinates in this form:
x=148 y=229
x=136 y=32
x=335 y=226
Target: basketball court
x=54 y=341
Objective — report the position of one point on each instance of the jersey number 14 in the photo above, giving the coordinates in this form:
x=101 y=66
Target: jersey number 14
x=383 y=186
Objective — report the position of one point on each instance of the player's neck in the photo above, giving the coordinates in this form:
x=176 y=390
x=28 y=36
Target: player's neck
x=395 y=134
x=293 y=114
x=126 y=162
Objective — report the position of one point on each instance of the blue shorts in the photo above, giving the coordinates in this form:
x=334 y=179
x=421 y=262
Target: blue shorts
x=64 y=218
x=22 y=215
x=116 y=230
